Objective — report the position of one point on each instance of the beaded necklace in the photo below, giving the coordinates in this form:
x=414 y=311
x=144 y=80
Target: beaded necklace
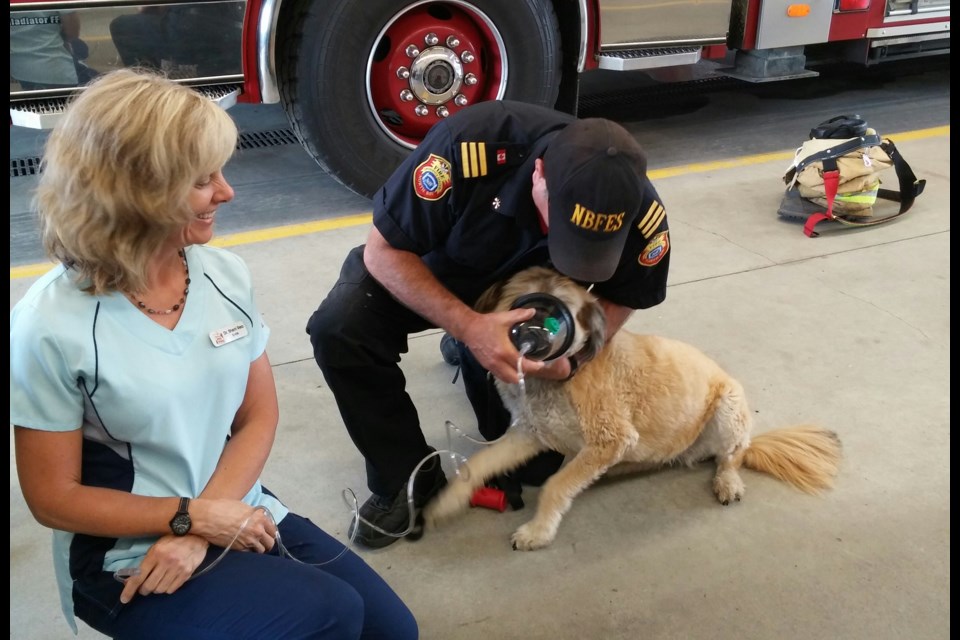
x=183 y=298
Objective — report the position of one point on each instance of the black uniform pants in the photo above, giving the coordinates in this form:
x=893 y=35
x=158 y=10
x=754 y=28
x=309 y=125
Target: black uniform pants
x=358 y=334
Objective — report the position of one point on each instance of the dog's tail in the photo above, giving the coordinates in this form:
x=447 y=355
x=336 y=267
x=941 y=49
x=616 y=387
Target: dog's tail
x=805 y=456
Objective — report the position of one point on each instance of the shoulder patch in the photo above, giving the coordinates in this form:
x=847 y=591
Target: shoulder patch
x=655 y=249
x=431 y=178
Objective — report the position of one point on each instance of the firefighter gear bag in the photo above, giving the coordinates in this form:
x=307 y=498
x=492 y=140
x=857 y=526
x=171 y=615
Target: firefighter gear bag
x=835 y=176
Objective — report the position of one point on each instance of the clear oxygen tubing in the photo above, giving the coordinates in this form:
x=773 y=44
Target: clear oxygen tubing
x=122 y=574
x=523 y=394
x=349 y=497
x=459 y=460
x=521 y=380
x=459 y=464
x=452 y=427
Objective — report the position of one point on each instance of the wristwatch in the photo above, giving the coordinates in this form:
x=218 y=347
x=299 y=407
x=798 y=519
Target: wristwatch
x=180 y=524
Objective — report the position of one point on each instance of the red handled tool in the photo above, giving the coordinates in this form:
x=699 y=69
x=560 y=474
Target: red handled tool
x=489 y=498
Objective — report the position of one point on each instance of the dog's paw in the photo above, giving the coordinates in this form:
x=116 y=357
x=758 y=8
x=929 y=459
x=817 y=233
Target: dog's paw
x=530 y=536
x=453 y=500
x=728 y=488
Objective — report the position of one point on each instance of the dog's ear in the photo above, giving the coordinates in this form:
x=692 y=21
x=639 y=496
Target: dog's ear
x=591 y=317
x=488 y=300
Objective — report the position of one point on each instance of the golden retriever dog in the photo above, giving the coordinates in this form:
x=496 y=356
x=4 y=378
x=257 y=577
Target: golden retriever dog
x=640 y=402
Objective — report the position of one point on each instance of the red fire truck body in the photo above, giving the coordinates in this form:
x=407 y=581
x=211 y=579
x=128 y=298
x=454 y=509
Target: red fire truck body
x=361 y=81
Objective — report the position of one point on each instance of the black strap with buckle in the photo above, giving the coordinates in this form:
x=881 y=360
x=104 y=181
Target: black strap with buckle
x=840 y=127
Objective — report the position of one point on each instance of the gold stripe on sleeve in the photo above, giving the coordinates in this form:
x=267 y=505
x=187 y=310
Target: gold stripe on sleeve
x=646 y=217
x=465 y=158
x=473 y=160
x=483 y=158
x=654 y=222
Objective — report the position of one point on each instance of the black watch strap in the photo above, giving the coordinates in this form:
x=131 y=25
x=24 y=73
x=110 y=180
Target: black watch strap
x=180 y=523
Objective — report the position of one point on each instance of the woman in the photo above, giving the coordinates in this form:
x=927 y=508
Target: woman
x=143 y=403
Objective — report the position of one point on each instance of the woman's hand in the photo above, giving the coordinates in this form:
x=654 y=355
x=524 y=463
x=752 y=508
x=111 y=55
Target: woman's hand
x=234 y=524
x=171 y=560
x=168 y=564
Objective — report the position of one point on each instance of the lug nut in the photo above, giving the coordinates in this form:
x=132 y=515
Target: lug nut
x=406 y=95
x=403 y=73
x=470 y=79
x=412 y=51
x=431 y=39
x=421 y=110
x=442 y=111
x=467 y=57
x=453 y=42
x=461 y=100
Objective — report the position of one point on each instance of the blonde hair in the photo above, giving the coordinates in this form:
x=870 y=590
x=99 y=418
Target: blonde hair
x=117 y=171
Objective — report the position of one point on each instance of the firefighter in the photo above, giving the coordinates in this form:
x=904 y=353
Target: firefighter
x=495 y=188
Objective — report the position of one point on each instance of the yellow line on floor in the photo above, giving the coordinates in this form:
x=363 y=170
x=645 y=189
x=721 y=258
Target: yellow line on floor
x=234 y=239
x=289 y=231
x=306 y=228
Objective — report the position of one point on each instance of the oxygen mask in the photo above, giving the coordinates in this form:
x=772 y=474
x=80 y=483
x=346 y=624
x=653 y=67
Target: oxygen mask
x=549 y=333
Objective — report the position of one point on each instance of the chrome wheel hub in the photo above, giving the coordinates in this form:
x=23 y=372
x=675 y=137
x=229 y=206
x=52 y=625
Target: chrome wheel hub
x=436 y=75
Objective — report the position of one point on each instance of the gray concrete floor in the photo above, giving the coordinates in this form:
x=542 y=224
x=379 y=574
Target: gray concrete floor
x=850 y=330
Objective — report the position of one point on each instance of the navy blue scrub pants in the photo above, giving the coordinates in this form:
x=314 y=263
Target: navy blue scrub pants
x=258 y=596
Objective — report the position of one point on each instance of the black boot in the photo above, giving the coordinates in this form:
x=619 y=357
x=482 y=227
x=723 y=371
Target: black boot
x=392 y=513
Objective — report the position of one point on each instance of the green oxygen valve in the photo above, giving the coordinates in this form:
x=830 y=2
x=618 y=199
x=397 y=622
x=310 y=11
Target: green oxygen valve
x=552 y=325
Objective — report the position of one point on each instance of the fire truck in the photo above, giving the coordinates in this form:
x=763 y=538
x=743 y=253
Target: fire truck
x=361 y=81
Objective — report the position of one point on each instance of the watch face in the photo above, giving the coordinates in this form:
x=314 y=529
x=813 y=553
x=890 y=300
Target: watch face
x=180 y=524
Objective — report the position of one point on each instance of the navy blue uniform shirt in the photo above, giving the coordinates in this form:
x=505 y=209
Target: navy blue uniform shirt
x=462 y=201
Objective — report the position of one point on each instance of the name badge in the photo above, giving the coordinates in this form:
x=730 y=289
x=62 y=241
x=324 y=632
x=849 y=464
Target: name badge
x=228 y=334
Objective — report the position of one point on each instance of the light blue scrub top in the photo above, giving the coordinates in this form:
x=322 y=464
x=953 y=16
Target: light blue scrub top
x=161 y=400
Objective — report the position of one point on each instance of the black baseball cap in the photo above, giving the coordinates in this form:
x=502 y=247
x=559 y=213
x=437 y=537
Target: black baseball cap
x=595 y=171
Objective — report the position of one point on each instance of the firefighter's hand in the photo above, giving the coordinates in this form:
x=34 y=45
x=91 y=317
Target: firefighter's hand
x=488 y=338
x=559 y=369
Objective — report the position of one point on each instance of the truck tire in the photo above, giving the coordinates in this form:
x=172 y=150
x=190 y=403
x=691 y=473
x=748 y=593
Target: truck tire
x=362 y=82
